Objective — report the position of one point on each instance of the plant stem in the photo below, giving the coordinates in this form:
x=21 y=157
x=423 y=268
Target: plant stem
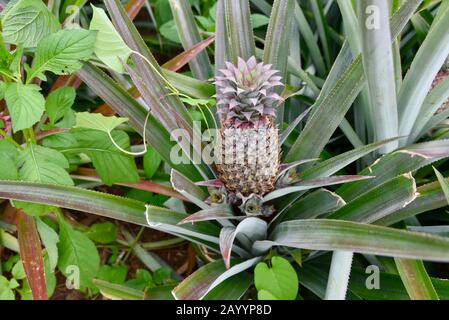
x=337 y=283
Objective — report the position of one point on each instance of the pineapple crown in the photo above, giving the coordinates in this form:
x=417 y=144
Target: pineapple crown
x=245 y=93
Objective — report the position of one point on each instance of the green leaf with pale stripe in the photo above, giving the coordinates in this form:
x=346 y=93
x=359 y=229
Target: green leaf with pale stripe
x=425 y=66
x=239 y=29
x=416 y=280
x=380 y=201
x=189 y=34
x=331 y=235
x=444 y=184
x=378 y=64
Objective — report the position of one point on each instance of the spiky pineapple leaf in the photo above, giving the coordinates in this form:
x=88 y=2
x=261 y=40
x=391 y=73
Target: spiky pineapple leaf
x=444 y=183
x=416 y=279
x=325 y=234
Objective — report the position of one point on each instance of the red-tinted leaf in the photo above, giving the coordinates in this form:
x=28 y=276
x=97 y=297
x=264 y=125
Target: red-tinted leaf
x=185 y=57
x=31 y=254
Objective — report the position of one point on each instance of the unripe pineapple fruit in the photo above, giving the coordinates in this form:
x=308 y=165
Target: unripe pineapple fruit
x=247 y=149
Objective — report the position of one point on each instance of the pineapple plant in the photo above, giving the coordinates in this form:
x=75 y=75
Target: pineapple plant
x=247 y=149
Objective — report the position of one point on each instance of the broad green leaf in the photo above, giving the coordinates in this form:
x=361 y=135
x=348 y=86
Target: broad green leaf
x=50 y=240
x=416 y=280
x=334 y=235
x=77 y=252
x=59 y=102
x=168 y=30
x=62 y=52
x=151 y=162
x=25 y=104
x=35 y=210
x=44 y=165
x=105 y=232
x=277 y=282
x=26 y=22
x=113 y=274
x=111 y=164
x=8 y=159
x=259 y=20
x=6 y=293
x=444 y=184
x=109 y=46
x=97 y=121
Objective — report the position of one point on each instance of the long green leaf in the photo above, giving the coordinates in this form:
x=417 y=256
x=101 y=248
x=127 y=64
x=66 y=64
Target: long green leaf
x=444 y=184
x=416 y=280
x=190 y=36
x=430 y=197
x=357 y=237
x=425 y=66
x=111 y=206
x=239 y=30
x=391 y=165
x=379 y=70
x=310 y=40
x=432 y=103
x=380 y=201
x=221 y=38
x=335 y=164
x=276 y=50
